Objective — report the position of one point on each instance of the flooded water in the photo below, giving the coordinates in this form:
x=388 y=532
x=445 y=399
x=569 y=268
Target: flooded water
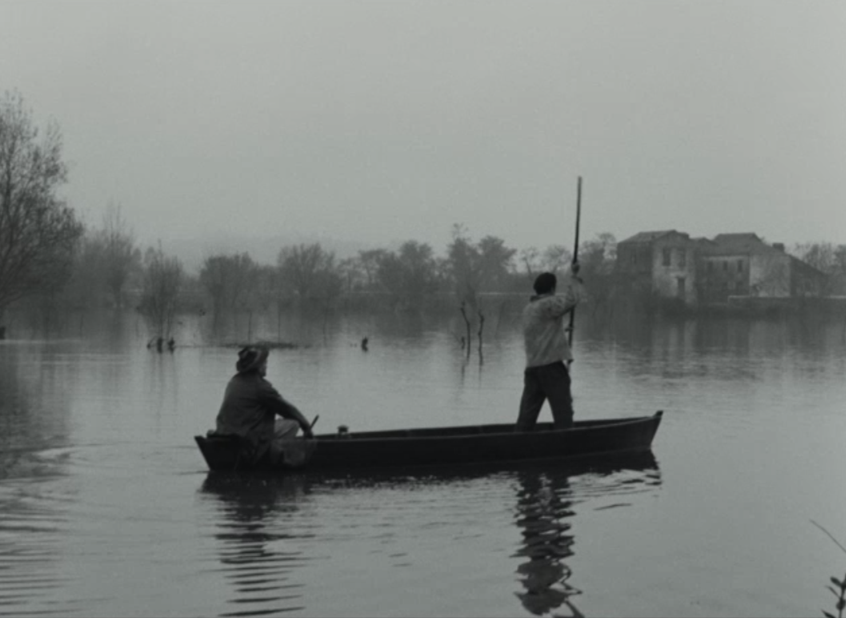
x=107 y=509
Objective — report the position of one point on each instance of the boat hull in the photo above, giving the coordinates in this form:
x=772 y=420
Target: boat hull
x=446 y=446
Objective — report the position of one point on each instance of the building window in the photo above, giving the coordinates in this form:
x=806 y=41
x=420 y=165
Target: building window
x=740 y=266
x=634 y=258
x=683 y=258
x=668 y=257
x=725 y=266
x=710 y=267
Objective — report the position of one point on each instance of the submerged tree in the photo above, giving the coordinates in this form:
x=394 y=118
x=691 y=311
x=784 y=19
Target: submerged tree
x=530 y=258
x=86 y=286
x=122 y=257
x=106 y=261
x=163 y=278
x=555 y=258
x=475 y=267
x=228 y=279
x=38 y=232
x=368 y=262
x=598 y=259
x=827 y=258
x=410 y=274
x=310 y=272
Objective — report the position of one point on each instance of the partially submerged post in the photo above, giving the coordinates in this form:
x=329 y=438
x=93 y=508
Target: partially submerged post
x=481 y=327
x=467 y=324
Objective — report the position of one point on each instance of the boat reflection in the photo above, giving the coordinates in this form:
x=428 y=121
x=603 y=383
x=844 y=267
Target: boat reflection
x=256 y=546
x=545 y=506
x=265 y=516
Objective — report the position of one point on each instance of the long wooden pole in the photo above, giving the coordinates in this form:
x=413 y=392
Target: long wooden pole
x=575 y=256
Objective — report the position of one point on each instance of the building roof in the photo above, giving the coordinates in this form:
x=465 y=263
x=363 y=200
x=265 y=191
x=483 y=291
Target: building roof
x=743 y=239
x=738 y=244
x=647 y=237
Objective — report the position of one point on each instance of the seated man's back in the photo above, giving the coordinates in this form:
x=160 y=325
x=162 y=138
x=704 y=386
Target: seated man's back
x=251 y=404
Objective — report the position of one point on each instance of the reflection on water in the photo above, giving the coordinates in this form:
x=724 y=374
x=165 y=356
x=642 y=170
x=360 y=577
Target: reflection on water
x=30 y=533
x=546 y=502
x=261 y=521
x=31 y=426
x=105 y=507
x=543 y=504
x=253 y=548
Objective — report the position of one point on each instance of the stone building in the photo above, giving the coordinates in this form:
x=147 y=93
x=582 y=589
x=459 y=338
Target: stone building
x=744 y=265
x=671 y=265
x=662 y=262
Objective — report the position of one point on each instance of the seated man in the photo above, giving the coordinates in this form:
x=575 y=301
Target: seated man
x=250 y=406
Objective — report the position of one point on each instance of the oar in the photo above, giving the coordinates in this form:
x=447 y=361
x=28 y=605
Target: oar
x=311 y=426
x=575 y=257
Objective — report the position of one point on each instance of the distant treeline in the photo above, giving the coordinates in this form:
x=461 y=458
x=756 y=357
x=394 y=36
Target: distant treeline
x=109 y=270
x=51 y=262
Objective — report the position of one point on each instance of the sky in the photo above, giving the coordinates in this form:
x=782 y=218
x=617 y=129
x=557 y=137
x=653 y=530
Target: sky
x=381 y=121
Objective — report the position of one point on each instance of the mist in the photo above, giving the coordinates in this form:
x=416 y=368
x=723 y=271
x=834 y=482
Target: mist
x=374 y=123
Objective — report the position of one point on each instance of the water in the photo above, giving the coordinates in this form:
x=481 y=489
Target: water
x=107 y=508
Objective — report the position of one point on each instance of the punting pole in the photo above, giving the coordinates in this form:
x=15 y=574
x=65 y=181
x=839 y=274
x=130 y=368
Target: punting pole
x=575 y=256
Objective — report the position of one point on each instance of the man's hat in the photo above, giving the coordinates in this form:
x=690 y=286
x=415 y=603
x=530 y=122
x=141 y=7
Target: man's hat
x=250 y=358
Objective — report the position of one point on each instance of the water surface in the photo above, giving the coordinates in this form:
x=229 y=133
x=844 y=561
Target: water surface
x=108 y=510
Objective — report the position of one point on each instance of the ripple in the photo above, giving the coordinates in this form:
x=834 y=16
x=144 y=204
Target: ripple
x=546 y=503
x=254 y=553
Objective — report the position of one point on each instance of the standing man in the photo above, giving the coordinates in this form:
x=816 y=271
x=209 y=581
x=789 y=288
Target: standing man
x=548 y=355
x=251 y=404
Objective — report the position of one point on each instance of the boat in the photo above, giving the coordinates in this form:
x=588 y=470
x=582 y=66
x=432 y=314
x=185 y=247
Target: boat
x=469 y=444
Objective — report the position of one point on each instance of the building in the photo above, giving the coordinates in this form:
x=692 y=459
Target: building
x=724 y=266
x=663 y=263
x=744 y=265
x=671 y=265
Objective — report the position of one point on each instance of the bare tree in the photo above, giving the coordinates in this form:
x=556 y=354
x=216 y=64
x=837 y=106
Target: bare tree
x=310 y=272
x=369 y=262
x=352 y=274
x=826 y=258
x=529 y=257
x=773 y=279
x=474 y=267
x=86 y=287
x=598 y=258
x=122 y=257
x=163 y=278
x=38 y=232
x=227 y=279
x=556 y=258
x=410 y=274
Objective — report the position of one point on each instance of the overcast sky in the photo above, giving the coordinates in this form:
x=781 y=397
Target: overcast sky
x=378 y=121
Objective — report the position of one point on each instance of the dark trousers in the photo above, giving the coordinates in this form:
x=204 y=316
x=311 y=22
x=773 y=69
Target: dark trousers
x=550 y=382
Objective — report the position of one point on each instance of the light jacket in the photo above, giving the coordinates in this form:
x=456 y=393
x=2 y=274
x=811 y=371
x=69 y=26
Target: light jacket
x=544 y=337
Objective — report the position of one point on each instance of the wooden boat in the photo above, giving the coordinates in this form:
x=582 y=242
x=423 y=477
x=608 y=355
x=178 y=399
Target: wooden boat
x=471 y=444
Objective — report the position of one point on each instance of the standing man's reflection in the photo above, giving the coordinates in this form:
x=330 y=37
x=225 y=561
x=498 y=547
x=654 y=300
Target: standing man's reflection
x=543 y=506
x=543 y=514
